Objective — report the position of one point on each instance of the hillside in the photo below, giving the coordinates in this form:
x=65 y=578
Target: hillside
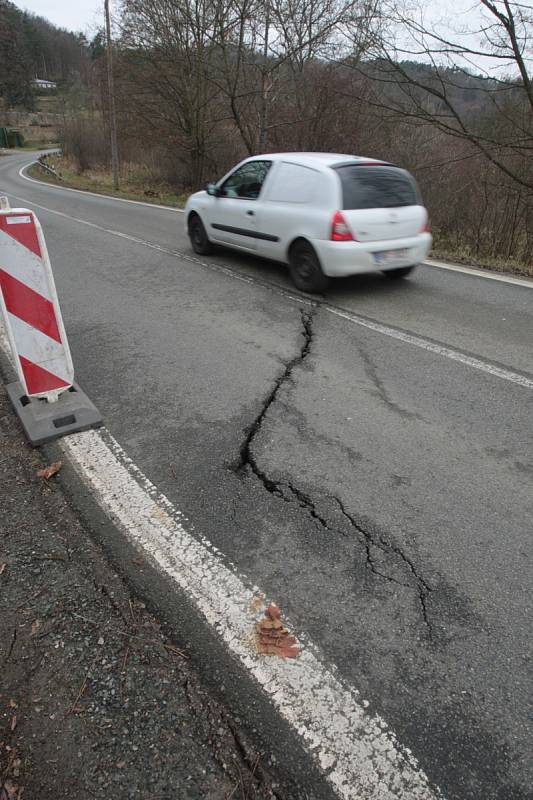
x=31 y=47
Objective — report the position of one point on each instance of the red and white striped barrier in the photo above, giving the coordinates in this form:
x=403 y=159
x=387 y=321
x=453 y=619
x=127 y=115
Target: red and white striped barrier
x=31 y=310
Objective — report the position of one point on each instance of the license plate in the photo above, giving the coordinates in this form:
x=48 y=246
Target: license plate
x=386 y=256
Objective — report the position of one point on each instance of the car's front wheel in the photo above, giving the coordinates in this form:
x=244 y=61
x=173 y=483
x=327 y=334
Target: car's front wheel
x=198 y=236
x=305 y=269
x=400 y=272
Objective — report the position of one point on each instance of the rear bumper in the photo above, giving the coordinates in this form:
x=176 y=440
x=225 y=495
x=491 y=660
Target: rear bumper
x=350 y=258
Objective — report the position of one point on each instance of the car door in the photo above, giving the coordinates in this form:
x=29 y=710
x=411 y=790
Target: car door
x=233 y=214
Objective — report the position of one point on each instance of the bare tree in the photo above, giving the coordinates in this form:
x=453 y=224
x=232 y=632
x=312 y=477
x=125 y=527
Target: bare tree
x=269 y=47
x=168 y=64
x=470 y=81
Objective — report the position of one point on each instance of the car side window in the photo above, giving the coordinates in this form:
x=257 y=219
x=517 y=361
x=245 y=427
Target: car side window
x=293 y=183
x=246 y=182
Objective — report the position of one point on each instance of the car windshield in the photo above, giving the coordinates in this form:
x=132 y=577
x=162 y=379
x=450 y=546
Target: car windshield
x=377 y=187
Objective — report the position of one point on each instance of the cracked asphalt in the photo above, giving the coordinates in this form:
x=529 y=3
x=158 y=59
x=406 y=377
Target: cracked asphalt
x=383 y=494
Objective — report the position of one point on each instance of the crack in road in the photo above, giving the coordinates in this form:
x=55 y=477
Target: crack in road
x=421 y=585
x=289 y=493
x=246 y=457
x=381 y=390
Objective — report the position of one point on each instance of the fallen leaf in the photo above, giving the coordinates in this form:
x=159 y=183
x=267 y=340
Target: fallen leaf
x=273 y=612
x=13 y=704
x=2 y=567
x=272 y=638
x=121 y=764
x=10 y=790
x=257 y=602
x=13 y=722
x=35 y=626
x=50 y=470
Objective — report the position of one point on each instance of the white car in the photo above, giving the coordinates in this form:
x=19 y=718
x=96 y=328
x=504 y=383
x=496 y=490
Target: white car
x=323 y=214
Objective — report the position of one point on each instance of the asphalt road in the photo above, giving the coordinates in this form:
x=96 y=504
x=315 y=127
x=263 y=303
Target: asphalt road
x=383 y=492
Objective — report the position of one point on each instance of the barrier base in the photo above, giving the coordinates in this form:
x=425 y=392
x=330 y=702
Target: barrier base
x=43 y=422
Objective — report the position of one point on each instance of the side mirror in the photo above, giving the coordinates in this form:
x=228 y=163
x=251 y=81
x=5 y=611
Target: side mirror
x=213 y=190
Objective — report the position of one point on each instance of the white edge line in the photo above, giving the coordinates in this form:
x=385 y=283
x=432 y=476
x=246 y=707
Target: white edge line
x=480 y=273
x=358 y=752
x=95 y=194
x=434 y=347
x=385 y=330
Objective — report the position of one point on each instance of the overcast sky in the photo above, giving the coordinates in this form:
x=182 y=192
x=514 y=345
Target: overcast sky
x=81 y=15
x=75 y=15
x=87 y=16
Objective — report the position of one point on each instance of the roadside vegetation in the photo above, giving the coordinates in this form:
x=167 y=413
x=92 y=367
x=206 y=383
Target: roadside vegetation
x=136 y=182
x=199 y=85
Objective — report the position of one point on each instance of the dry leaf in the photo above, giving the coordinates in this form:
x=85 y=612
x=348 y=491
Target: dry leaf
x=50 y=470
x=257 y=602
x=273 y=612
x=2 y=567
x=121 y=764
x=272 y=638
x=13 y=722
x=13 y=704
x=35 y=626
x=10 y=790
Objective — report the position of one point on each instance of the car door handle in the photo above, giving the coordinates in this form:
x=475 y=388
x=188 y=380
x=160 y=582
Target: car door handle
x=250 y=213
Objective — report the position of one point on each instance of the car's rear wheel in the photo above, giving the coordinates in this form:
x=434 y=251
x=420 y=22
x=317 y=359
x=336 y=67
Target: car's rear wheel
x=305 y=269
x=400 y=272
x=198 y=236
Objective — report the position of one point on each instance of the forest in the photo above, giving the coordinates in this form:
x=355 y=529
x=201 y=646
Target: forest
x=31 y=47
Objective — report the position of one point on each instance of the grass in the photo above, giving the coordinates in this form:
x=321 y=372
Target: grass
x=462 y=255
x=47 y=103
x=35 y=146
x=135 y=183
x=29 y=147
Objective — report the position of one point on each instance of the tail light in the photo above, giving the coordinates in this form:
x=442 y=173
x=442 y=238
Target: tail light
x=425 y=227
x=340 y=231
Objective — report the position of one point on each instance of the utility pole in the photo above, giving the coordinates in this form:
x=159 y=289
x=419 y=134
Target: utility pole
x=111 y=91
x=263 y=117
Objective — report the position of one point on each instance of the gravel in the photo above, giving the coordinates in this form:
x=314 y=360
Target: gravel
x=94 y=700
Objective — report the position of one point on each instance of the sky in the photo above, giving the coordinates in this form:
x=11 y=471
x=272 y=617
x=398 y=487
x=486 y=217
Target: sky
x=75 y=15
x=87 y=16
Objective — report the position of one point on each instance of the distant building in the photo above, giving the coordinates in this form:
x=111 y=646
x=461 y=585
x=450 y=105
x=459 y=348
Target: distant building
x=39 y=83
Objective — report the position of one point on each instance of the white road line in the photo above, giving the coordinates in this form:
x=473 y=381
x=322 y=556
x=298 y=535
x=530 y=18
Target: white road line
x=356 y=319
x=433 y=347
x=95 y=194
x=358 y=753
x=478 y=273
x=481 y=273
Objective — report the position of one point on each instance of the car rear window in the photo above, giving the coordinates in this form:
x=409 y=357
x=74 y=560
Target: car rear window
x=377 y=187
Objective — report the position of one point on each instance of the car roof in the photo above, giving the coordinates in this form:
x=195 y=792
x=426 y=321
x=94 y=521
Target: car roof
x=318 y=159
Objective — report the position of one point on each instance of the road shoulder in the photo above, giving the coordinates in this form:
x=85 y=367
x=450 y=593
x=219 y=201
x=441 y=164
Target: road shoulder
x=95 y=697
